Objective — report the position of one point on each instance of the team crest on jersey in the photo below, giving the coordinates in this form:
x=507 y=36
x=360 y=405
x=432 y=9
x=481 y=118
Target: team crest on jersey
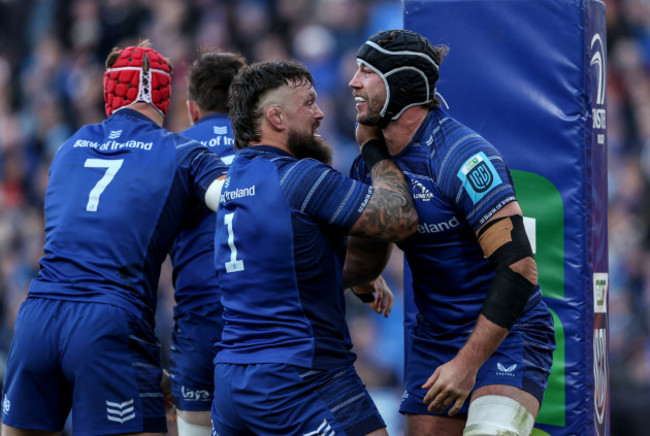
x=424 y=194
x=478 y=176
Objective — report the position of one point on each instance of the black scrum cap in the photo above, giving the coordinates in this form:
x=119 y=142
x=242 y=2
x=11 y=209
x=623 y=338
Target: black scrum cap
x=405 y=62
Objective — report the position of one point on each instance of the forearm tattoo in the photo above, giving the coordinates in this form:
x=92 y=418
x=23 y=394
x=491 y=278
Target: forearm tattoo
x=390 y=214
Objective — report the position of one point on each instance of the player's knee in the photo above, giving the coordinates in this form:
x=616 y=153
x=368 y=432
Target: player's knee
x=493 y=415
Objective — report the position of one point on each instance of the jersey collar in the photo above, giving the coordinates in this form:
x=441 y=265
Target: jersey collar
x=257 y=149
x=214 y=116
x=126 y=112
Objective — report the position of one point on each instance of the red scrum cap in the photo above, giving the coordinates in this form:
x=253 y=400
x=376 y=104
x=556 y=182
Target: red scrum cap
x=140 y=74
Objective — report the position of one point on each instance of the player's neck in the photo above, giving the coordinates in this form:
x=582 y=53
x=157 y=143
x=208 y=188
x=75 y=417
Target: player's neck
x=398 y=133
x=273 y=139
x=148 y=111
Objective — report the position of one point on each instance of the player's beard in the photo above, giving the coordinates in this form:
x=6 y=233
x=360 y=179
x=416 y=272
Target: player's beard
x=304 y=145
x=373 y=109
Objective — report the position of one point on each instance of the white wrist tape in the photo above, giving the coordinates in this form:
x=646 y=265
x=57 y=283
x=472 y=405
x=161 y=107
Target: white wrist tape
x=493 y=415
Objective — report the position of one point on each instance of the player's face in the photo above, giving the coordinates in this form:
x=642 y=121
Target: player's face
x=303 y=113
x=369 y=94
x=305 y=117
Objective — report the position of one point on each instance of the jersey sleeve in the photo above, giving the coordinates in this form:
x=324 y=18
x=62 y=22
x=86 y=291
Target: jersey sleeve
x=203 y=165
x=320 y=191
x=359 y=170
x=476 y=178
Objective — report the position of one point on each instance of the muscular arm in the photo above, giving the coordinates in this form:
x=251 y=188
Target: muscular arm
x=365 y=260
x=390 y=214
x=487 y=336
x=452 y=382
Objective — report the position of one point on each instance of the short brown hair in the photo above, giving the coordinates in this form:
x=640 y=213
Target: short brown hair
x=248 y=88
x=210 y=77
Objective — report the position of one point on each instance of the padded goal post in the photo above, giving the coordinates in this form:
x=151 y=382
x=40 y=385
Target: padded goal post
x=530 y=77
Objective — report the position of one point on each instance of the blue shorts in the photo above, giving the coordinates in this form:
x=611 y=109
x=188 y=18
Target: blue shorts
x=281 y=399
x=523 y=359
x=97 y=359
x=191 y=355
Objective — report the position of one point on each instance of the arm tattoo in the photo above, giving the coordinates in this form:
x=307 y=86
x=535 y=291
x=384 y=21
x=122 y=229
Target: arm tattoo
x=390 y=214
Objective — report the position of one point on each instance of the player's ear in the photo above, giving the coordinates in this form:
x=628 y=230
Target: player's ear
x=276 y=118
x=193 y=111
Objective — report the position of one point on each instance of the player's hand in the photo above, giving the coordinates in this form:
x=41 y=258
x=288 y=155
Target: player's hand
x=365 y=133
x=384 y=297
x=450 y=384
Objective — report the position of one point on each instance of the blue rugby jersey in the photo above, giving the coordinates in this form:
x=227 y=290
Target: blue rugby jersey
x=118 y=193
x=280 y=247
x=195 y=281
x=458 y=181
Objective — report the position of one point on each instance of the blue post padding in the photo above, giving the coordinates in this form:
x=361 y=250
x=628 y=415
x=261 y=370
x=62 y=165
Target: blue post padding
x=530 y=77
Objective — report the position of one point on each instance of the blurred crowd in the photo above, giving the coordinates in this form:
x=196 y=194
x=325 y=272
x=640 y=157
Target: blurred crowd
x=628 y=136
x=51 y=62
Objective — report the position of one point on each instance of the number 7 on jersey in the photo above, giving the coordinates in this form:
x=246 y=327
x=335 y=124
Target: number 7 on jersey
x=112 y=167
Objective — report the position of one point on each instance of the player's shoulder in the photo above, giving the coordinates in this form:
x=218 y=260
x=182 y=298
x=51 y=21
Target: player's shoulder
x=89 y=135
x=305 y=167
x=456 y=144
x=459 y=137
x=194 y=131
x=185 y=142
x=298 y=173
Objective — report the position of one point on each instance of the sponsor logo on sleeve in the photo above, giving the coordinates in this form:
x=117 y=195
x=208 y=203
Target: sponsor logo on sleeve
x=365 y=201
x=478 y=176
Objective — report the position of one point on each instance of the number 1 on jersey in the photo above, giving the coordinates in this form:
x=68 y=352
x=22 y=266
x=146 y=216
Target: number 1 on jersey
x=112 y=167
x=234 y=265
